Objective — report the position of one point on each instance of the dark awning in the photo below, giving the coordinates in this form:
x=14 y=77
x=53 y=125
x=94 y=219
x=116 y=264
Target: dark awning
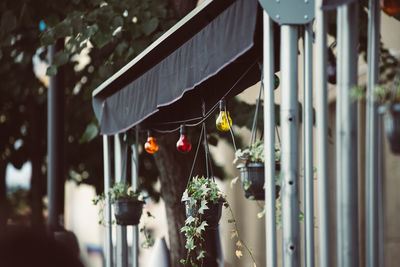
x=214 y=47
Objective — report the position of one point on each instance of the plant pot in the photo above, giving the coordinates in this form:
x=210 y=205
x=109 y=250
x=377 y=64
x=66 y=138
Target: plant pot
x=212 y=215
x=128 y=212
x=392 y=127
x=252 y=177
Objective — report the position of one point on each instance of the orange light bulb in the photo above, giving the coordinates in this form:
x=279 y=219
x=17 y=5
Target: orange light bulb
x=151 y=145
x=391 y=7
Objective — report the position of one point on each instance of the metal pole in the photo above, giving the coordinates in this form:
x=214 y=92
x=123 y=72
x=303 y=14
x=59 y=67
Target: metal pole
x=135 y=186
x=269 y=146
x=289 y=147
x=108 y=250
x=346 y=131
x=55 y=146
x=122 y=245
x=321 y=111
x=308 y=148
x=380 y=207
x=372 y=171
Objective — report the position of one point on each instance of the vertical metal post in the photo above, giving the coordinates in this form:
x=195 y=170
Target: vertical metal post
x=269 y=151
x=55 y=146
x=346 y=134
x=372 y=128
x=308 y=148
x=321 y=108
x=122 y=245
x=108 y=248
x=289 y=118
x=135 y=186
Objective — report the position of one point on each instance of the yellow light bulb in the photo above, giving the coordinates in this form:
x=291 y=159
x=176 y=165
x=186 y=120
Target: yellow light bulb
x=224 y=119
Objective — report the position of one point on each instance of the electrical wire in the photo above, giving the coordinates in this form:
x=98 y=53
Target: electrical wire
x=208 y=114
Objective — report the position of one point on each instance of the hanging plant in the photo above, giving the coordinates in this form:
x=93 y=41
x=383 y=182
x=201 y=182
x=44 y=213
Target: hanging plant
x=390 y=106
x=389 y=101
x=128 y=208
x=252 y=170
x=204 y=201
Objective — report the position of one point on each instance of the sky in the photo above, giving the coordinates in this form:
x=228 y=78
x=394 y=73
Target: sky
x=19 y=178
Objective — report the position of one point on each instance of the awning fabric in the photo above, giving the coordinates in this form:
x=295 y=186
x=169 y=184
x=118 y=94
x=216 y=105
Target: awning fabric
x=225 y=52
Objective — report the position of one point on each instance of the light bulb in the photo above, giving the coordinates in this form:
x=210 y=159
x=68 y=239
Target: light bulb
x=391 y=7
x=151 y=145
x=223 y=117
x=183 y=145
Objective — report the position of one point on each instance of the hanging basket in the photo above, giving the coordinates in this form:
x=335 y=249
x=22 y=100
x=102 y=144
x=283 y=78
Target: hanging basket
x=128 y=211
x=212 y=215
x=252 y=177
x=392 y=127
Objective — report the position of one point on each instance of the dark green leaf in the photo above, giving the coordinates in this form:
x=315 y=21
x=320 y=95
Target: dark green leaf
x=60 y=58
x=90 y=133
x=100 y=39
x=46 y=38
x=150 y=26
x=51 y=70
x=121 y=47
x=63 y=29
x=117 y=21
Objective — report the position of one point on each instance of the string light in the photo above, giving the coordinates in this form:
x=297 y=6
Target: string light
x=223 y=117
x=151 y=145
x=183 y=145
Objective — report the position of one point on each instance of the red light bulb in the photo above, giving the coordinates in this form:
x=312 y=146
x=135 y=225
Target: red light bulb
x=183 y=145
x=151 y=145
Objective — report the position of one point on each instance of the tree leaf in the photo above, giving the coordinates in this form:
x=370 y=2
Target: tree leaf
x=150 y=26
x=51 y=70
x=100 y=39
x=60 y=58
x=46 y=38
x=63 y=29
x=90 y=133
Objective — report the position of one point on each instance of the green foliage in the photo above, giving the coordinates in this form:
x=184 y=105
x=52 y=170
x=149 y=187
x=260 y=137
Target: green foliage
x=385 y=96
x=255 y=153
x=200 y=192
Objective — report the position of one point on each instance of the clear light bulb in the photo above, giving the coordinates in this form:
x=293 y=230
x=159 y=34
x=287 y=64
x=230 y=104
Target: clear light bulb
x=183 y=145
x=151 y=145
x=223 y=117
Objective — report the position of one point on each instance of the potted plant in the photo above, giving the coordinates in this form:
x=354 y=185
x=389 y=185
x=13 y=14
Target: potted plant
x=252 y=170
x=390 y=107
x=203 y=202
x=127 y=204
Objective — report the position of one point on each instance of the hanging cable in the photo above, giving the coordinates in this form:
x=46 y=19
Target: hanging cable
x=255 y=119
x=195 y=157
x=208 y=114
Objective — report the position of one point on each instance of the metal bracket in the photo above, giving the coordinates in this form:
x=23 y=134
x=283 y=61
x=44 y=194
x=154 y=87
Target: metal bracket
x=289 y=11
